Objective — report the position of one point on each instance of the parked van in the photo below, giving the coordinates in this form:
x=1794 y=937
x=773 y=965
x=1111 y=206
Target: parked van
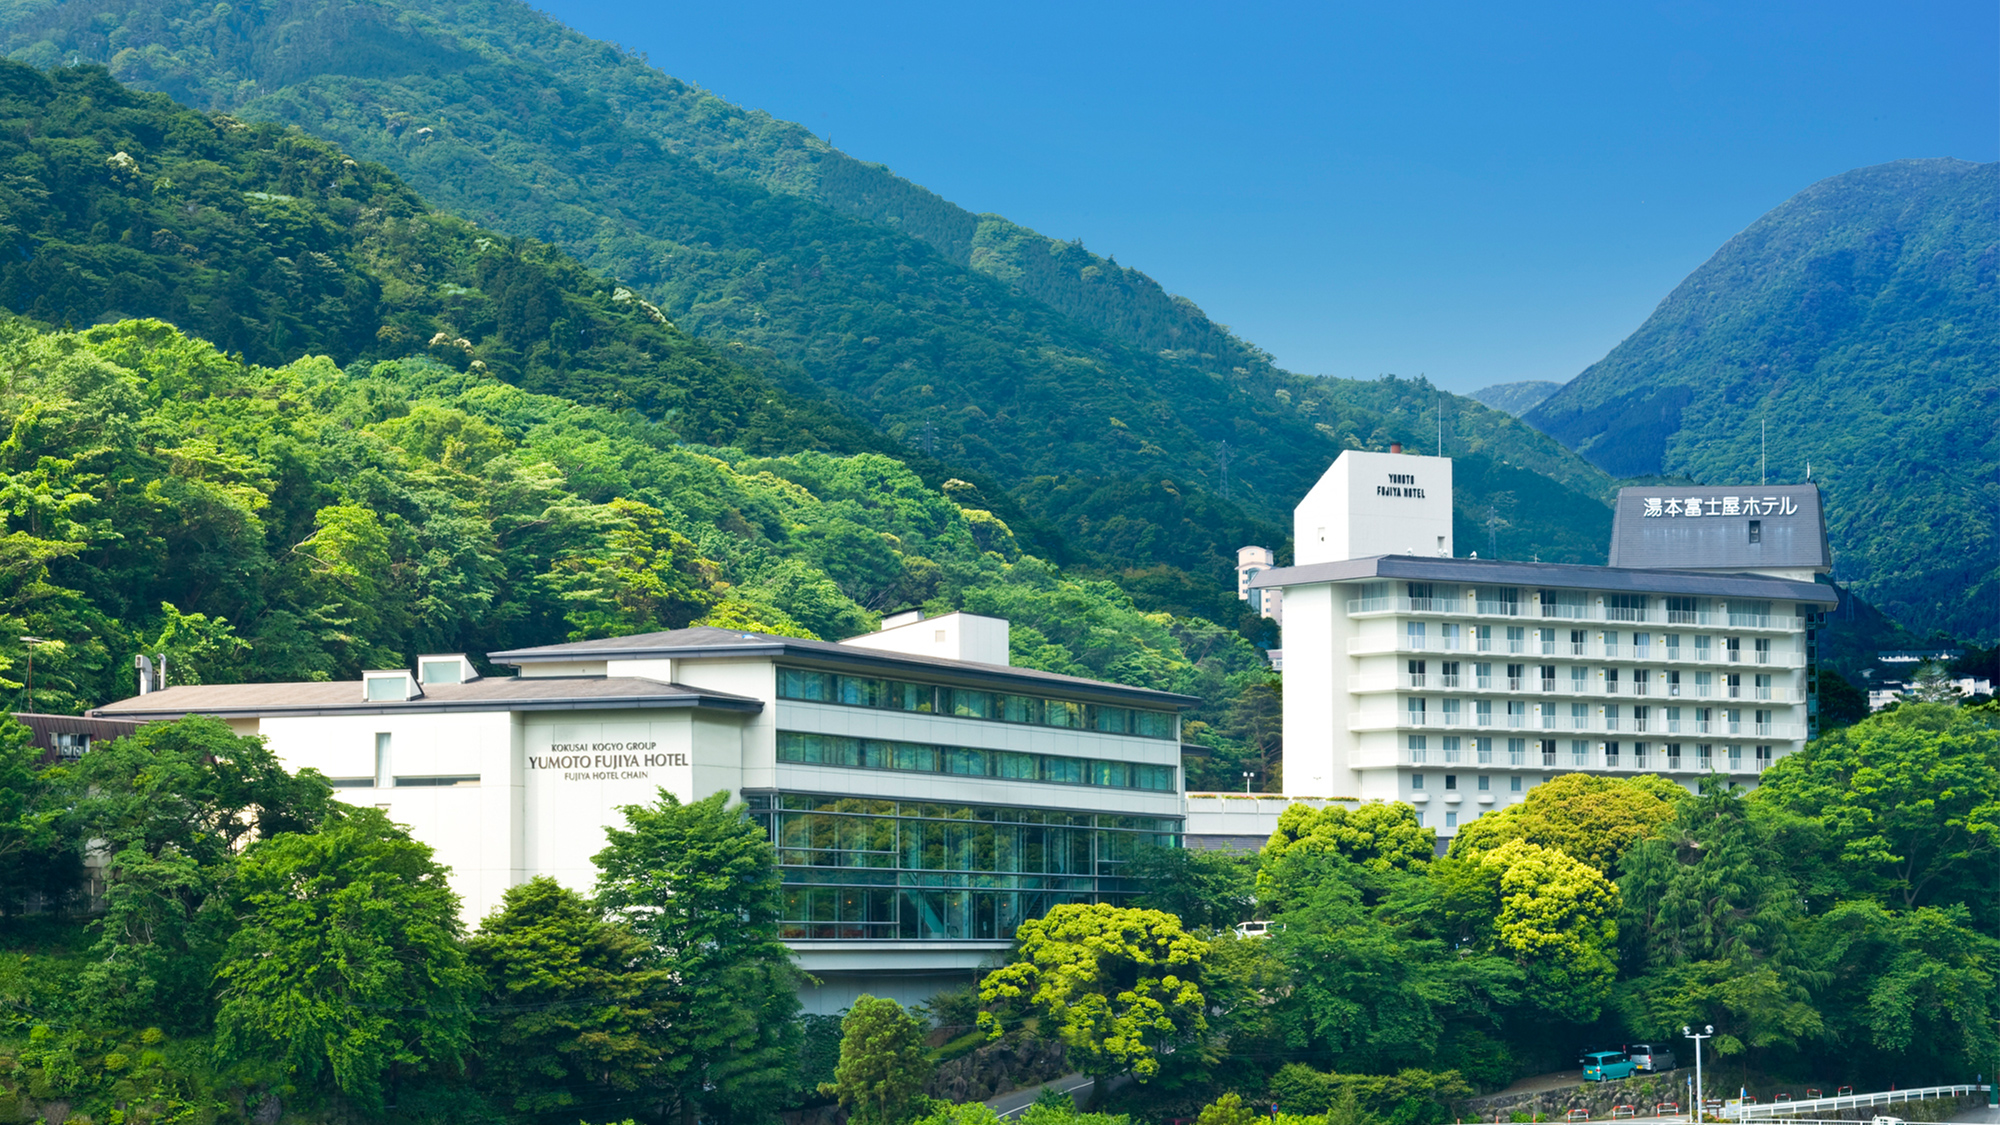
x=1606 y=1066
x=1257 y=929
x=1650 y=1058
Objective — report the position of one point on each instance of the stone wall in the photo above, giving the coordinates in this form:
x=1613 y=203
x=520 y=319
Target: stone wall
x=1641 y=1090
x=998 y=1068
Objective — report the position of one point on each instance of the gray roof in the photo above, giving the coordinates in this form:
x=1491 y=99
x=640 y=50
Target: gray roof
x=1565 y=576
x=343 y=697
x=1791 y=526
x=707 y=641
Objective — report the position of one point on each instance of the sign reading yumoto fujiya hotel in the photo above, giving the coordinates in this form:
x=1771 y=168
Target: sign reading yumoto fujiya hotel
x=604 y=761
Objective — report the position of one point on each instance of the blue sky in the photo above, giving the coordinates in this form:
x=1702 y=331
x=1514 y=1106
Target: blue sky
x=1479 y=193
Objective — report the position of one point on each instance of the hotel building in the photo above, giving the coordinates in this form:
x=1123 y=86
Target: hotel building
x=1456 y=684
x=924 y=796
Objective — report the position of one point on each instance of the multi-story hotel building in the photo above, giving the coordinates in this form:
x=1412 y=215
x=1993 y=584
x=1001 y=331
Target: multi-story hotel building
x=924 y=796
x=1456 y=684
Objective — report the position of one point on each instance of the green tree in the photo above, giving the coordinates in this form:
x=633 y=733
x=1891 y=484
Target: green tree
x=1592 y=819
x=1558 y=920
x=643 y=577
x=1922 y=986
x=39 y=853
x=1709 y=921
x=1204 y=889
x=883 y=1062
x=1377 y=837
x=1119 y=985
x=576 y=1014
x=348 y=965
x=1371 y=996
x=1227 y=1110
x=1931 y=684
x=1903 y=806
x=700 y=883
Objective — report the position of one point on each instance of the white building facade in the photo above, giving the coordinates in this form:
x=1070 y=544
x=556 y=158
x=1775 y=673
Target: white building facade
x=1458 y=684
x=924 y=797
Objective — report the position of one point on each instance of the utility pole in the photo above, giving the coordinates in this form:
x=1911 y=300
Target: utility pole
x=1707 y=1031
x=31 y=643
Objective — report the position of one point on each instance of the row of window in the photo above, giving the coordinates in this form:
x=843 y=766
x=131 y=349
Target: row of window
x=1453 y=711
x=1582 y=753
x=759 y=803
x=1449 y=637
x=961 y=761
x=871 y=914
x=964 y=703
x=1508 y=600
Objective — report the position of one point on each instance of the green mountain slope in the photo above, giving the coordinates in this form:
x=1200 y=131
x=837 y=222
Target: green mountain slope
x=1860 y=320
x=500 y=115
x=1516 y=398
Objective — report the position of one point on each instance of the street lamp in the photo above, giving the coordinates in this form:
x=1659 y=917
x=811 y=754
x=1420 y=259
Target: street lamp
x=31 y=643
x=1707 y=1031
x=1247 y=775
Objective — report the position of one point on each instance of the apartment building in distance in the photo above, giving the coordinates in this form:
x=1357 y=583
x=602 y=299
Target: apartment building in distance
x=1457 y=684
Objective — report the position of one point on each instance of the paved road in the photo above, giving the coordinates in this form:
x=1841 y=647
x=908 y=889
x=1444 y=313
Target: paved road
x=1009 y=1104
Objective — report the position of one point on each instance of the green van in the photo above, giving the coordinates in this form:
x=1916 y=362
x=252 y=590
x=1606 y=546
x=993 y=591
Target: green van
x=1606 y=1066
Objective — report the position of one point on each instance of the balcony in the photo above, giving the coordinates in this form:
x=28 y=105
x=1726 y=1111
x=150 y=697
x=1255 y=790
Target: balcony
x=1474 y=722
x=1653 y=656
x=1377 y=682
x=1593 y=759
x=1611 y=615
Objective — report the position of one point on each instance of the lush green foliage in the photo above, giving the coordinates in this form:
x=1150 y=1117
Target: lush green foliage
x=1094 y=398
x=699 y=882
x=1120 y=985
x=883 y=1063
x=348 y=960
x=169 y=497
x=1861 y=320
x=572 y=1005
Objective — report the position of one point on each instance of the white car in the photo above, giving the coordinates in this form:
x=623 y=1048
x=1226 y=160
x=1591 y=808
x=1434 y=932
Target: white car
x=1257 y=929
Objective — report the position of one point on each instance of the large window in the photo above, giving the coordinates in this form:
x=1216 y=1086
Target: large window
x=860 y=868
x=965 y=703
x=882 y=754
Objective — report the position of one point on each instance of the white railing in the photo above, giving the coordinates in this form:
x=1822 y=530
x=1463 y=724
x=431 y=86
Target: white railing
x=1429 y=719
x=1776 y=1112
x=1651 y=615
x=1566 y=649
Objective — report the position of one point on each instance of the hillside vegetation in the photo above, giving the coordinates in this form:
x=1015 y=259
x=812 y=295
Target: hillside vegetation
x=1860 y=320
x=1516 y=398
x=1078 y=385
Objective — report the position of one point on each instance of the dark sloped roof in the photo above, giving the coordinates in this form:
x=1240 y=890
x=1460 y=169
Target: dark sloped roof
x=1791 y=528
x=707 y=641
x=550 y=693
x=1566 y=576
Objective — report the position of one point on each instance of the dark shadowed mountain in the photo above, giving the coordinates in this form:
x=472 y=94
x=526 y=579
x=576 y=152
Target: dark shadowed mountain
x=1855 y=328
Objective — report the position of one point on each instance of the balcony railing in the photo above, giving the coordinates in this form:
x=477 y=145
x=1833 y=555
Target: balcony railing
x=1594 y=759
x=1651 y=615
x=1473 y=721
x=1569 y=688
x=1564 y=649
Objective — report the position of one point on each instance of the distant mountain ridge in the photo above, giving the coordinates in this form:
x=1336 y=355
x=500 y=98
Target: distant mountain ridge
x=1516 y=398
x=1855 y=328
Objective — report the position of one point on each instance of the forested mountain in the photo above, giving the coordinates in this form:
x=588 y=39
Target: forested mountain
x=1516 y=398
x=1858 y=324
x=1099 y=403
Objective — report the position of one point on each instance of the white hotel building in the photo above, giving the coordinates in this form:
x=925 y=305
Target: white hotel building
x=924 y=797
x=1456 y=684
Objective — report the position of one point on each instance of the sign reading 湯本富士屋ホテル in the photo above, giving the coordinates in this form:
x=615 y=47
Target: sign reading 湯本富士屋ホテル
x=1693 y=507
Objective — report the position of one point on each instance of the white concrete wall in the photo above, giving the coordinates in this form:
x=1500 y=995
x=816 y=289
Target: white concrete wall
x=1315 y=719
x=1358 y=509
x=955 y=636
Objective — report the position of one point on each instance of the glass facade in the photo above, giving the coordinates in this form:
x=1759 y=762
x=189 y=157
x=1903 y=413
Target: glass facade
x=861 y=868
x=897 y=695
x=918 y=757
